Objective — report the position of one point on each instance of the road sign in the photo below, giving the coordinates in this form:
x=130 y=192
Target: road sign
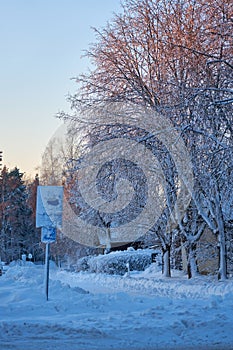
x=49 y=206
x=48 y=234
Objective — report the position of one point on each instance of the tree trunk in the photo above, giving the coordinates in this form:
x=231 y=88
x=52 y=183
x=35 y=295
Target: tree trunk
x=166 y=261
x=222 y=273
x=192 y=264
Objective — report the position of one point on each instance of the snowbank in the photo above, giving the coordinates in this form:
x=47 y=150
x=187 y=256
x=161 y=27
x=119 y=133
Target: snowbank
x=119 y=262
x=100 y=311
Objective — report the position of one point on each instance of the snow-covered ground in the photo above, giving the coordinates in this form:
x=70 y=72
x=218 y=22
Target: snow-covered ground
x=97 y=311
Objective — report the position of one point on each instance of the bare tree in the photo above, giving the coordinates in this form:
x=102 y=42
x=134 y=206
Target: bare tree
x=176 y=57
x=158 y=52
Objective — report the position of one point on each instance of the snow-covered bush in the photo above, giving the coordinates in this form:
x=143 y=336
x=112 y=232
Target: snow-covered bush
x=117 y=262
x=83 y=264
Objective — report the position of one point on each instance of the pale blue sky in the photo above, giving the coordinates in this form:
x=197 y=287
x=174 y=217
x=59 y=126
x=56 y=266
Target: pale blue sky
x=42 y=42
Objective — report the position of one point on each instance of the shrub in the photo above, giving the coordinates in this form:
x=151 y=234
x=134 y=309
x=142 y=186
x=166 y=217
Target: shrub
x=117 y=262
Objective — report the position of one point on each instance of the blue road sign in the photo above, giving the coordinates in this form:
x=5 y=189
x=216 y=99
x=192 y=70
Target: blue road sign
x=48 y=234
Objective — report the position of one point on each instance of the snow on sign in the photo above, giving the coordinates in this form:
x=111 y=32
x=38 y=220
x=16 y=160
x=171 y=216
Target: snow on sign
x=49 y=206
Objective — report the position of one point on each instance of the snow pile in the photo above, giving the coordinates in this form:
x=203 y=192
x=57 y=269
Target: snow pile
x=92 y=311
x=119 y=262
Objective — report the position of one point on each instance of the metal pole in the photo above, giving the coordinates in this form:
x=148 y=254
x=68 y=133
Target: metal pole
x=47 y=271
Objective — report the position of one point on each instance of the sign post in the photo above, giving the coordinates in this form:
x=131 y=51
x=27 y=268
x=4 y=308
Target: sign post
x=49 y=207
x=47 y=249
x=48 y=235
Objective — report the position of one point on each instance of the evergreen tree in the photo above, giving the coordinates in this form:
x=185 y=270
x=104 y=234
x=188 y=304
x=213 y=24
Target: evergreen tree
x=17 y=229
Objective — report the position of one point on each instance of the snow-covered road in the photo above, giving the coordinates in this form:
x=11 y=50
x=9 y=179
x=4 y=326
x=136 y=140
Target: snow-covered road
x=97 y=311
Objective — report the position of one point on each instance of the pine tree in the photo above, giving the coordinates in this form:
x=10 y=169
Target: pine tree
x=16 y=226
